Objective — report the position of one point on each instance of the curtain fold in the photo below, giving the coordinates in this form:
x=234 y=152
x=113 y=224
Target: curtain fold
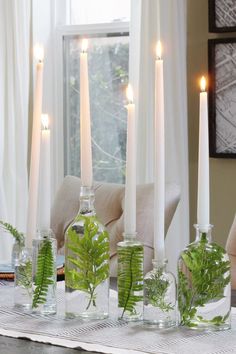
x=145 y=30
x=14 y=96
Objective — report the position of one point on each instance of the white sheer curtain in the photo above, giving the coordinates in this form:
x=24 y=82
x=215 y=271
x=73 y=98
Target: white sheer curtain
x=145 y=30
x=14 y=92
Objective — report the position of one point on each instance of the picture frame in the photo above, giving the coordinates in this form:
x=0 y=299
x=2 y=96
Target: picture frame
x=222 y=16
x=222 y=97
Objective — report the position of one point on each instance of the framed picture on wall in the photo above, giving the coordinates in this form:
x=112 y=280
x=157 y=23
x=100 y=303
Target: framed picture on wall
x=222 y=16
x=222 y=97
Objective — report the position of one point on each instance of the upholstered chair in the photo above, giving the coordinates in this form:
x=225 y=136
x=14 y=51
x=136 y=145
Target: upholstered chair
x=231 y=250
x=109 y=204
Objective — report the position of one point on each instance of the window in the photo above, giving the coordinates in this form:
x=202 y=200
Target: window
x=108 y=58
x=108 y=77
x=98 y=11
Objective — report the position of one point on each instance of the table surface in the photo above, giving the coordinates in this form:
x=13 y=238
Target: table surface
x=25 y=346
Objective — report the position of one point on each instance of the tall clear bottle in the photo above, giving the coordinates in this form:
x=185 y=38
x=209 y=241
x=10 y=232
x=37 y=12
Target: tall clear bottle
x=87 y=263
x=160 y=296
x=130 y=278
x=44 y=273
x=204 y=291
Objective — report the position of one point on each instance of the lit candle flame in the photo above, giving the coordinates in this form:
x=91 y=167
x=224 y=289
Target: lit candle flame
x=39 y=52
x=129 y=94
x=84 y=45
x=45 y=121
x=203 y=84
x=159 y=50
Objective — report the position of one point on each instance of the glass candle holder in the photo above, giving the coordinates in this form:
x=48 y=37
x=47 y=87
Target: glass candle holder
x=130 y=278
x=23 y=279
x=87 y=263
x=160 y=296
x=204 y=290
x=44 y=273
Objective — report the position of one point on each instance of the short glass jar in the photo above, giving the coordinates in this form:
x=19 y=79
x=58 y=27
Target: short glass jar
x=160 y=296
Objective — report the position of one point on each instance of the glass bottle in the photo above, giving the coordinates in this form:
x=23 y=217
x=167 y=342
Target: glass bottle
x=44 y=273
x=130 y=278
x=87 y=263
x=160 y=296
x=23 y=279
x=204 y=290
x=16 y=252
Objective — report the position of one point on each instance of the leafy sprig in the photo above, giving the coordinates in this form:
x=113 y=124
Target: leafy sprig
x=24 y=276
x=208 y=275
x=130 y=278
x=155 y=289
x=18 y=236
x=45 y=273
x=88 y=253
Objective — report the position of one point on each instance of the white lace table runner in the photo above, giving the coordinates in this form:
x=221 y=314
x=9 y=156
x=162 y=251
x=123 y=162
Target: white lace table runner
x=111 y=335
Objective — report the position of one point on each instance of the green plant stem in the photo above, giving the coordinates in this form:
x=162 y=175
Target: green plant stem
x=91 y=300
x=130 y=286
x=130 y=277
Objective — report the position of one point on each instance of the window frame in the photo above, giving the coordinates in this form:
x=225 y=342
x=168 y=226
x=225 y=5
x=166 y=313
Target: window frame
x=59 y=105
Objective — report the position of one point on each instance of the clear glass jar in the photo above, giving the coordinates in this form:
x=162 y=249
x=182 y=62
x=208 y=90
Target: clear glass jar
x=130 y=278
x=204 y=290
x=87 y=263
x=23 y=279
x=16 y=252
x=44 y=273
x=160 y=296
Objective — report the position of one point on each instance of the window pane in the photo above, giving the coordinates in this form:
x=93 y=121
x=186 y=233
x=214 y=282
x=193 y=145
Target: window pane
x=99 y=11
x=108 y=77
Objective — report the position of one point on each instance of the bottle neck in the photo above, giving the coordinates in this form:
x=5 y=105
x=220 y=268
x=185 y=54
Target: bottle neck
x=159 y=265
x=86 y=201
x=203 y=235
x=130 y=237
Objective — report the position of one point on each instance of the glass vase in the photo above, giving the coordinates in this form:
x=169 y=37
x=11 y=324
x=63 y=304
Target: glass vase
x=44 y=273
x=16 y=252
x=160 y=296
x=130 y=278
x=87 y=263
x=23 y=279
x=204 y=291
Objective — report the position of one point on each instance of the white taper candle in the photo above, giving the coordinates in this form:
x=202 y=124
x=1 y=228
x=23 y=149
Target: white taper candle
x=45 y=175
x=130 y=184
x=35 y=149
x=85 y=123
x=203 y=204
x=159 y=164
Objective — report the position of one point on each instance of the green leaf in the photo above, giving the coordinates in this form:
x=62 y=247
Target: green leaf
x=18 y=236
x=203 y=274
x=44 y=276
x=130 y=277
x=87 y=257
x=155 y=289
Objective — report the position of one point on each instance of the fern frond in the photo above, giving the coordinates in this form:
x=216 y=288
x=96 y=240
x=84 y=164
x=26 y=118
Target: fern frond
x=130 y=277
x=87 y=259
x=18 y=236
x=44 y=273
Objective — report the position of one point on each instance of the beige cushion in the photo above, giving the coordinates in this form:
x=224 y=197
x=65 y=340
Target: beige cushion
x=109 y=204
x=231 y=250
